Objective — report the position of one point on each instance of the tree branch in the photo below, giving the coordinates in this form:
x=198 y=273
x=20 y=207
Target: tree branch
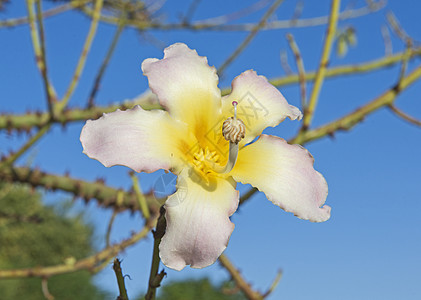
x=321 y=71
x=250 y=36
x=239 y=280
x=87 y=263
x=155 y=278
x=120 y=280
x=350 y=120
x=300 y=66
x=106 y=196
x=83 y=56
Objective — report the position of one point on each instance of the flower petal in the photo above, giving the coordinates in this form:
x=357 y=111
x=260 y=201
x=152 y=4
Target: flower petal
x=286 y=175
x=186 y=86
x=141 y=140
x=198 y=224
x=260 y=104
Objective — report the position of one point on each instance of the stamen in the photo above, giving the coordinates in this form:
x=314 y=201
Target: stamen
x=234 y=131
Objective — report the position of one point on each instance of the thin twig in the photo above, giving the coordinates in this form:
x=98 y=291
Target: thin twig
x=83 y=56
x=101 y=71
x=38 y=44
x=388 y=46
x=110 y=225
x=321 y=71
x=249 y=37
x=301 y=71
x=120 y=280
x=396 y=27
x=246 y=196
x=190 y=11
x=298 y=10
x=239 y=280
x=14 y=156
x=237 y=14
x=283 y=56
x=274 y=284
x=405 y=116
x=405 y=60
x=46 y=14
x=155 y=278
x=140 y=197
x=45 y=291
x=49 y=90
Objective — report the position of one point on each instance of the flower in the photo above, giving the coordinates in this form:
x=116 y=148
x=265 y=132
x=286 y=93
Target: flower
x=187 y=139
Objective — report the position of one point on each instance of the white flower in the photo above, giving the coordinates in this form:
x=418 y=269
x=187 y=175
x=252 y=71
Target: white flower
x=187 y=139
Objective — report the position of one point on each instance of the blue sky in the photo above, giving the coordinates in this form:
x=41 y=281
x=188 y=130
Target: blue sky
x=369 y=249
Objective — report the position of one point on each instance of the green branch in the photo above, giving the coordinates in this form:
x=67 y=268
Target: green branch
x=148 y=101
x=106 y=196
x=353 y=118
x=83 y=56
x=321 y=71
x=26 y=121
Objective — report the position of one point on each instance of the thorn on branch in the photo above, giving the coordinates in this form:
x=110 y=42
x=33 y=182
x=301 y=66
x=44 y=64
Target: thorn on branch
x=156 y=282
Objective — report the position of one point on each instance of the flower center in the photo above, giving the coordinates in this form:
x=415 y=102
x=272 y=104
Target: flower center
x=205 y=161
x=233 y=130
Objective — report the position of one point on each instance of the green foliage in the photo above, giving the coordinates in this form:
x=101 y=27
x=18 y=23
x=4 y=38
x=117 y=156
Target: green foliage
x=198 y=289
x=31 y=235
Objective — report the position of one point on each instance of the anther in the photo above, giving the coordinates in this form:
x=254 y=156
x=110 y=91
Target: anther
x=234 y=131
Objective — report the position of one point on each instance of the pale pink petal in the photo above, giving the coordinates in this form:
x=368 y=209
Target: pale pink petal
x=141 y=140
x=286 y=175
x=198 y=224
x=186 y=86
x=260 y=104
